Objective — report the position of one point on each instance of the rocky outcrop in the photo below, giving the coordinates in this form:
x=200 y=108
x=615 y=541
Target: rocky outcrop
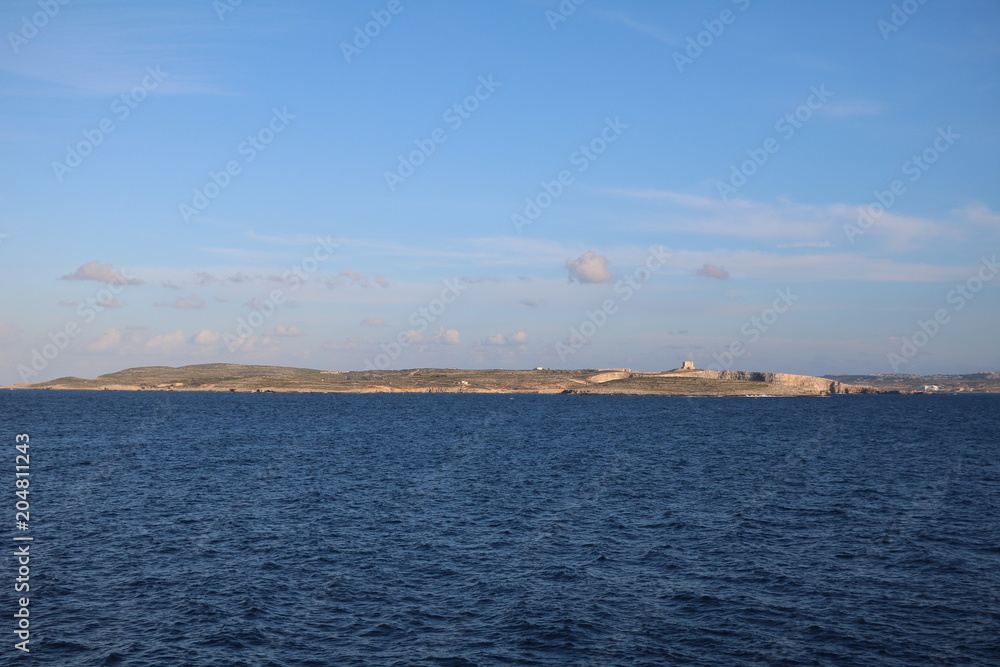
x=609 y=377
x=801 y=382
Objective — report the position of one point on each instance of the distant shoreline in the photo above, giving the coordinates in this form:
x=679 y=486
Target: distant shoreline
x=237 y=378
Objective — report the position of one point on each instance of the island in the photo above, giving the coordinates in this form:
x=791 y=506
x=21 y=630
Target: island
x=684 y=381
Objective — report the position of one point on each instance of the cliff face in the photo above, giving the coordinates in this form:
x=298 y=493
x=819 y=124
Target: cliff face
x=608 y=377
x=802 y=382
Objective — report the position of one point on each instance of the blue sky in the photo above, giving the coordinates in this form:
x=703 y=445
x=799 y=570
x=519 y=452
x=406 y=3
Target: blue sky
x=796 y=187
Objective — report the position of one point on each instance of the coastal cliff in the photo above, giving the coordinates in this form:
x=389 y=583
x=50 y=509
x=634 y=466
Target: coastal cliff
x=806 y=383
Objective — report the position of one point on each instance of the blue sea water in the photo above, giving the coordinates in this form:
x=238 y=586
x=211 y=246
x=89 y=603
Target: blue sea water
x=452 y=530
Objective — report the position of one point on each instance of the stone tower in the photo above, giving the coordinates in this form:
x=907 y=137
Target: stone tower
x=687 y=366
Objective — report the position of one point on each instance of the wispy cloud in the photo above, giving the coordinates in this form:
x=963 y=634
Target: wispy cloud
x=77 y=60
x=807 y=244
x=244 y=252
x=642 y=28
x=355 y=278
x=289 y=239
x=831 y=266
x=798 y=225
x=189 y=302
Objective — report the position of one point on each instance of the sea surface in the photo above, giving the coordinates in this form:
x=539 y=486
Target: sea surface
x=450 y=530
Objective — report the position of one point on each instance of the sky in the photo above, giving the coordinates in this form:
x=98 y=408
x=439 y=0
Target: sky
x=786 y=186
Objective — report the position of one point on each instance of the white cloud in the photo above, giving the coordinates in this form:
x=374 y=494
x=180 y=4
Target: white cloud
x=110 y=339
x=979 y=214
x=519 y=337
x=373 y=322
x=205 y=279
x=589 y=268
x=206 y=337
x=447 y=337
x=712 y=271
x=102 y=273
x=165 y=342
x=257 y=343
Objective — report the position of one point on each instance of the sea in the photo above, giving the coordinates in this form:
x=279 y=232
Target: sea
x=450 y=530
